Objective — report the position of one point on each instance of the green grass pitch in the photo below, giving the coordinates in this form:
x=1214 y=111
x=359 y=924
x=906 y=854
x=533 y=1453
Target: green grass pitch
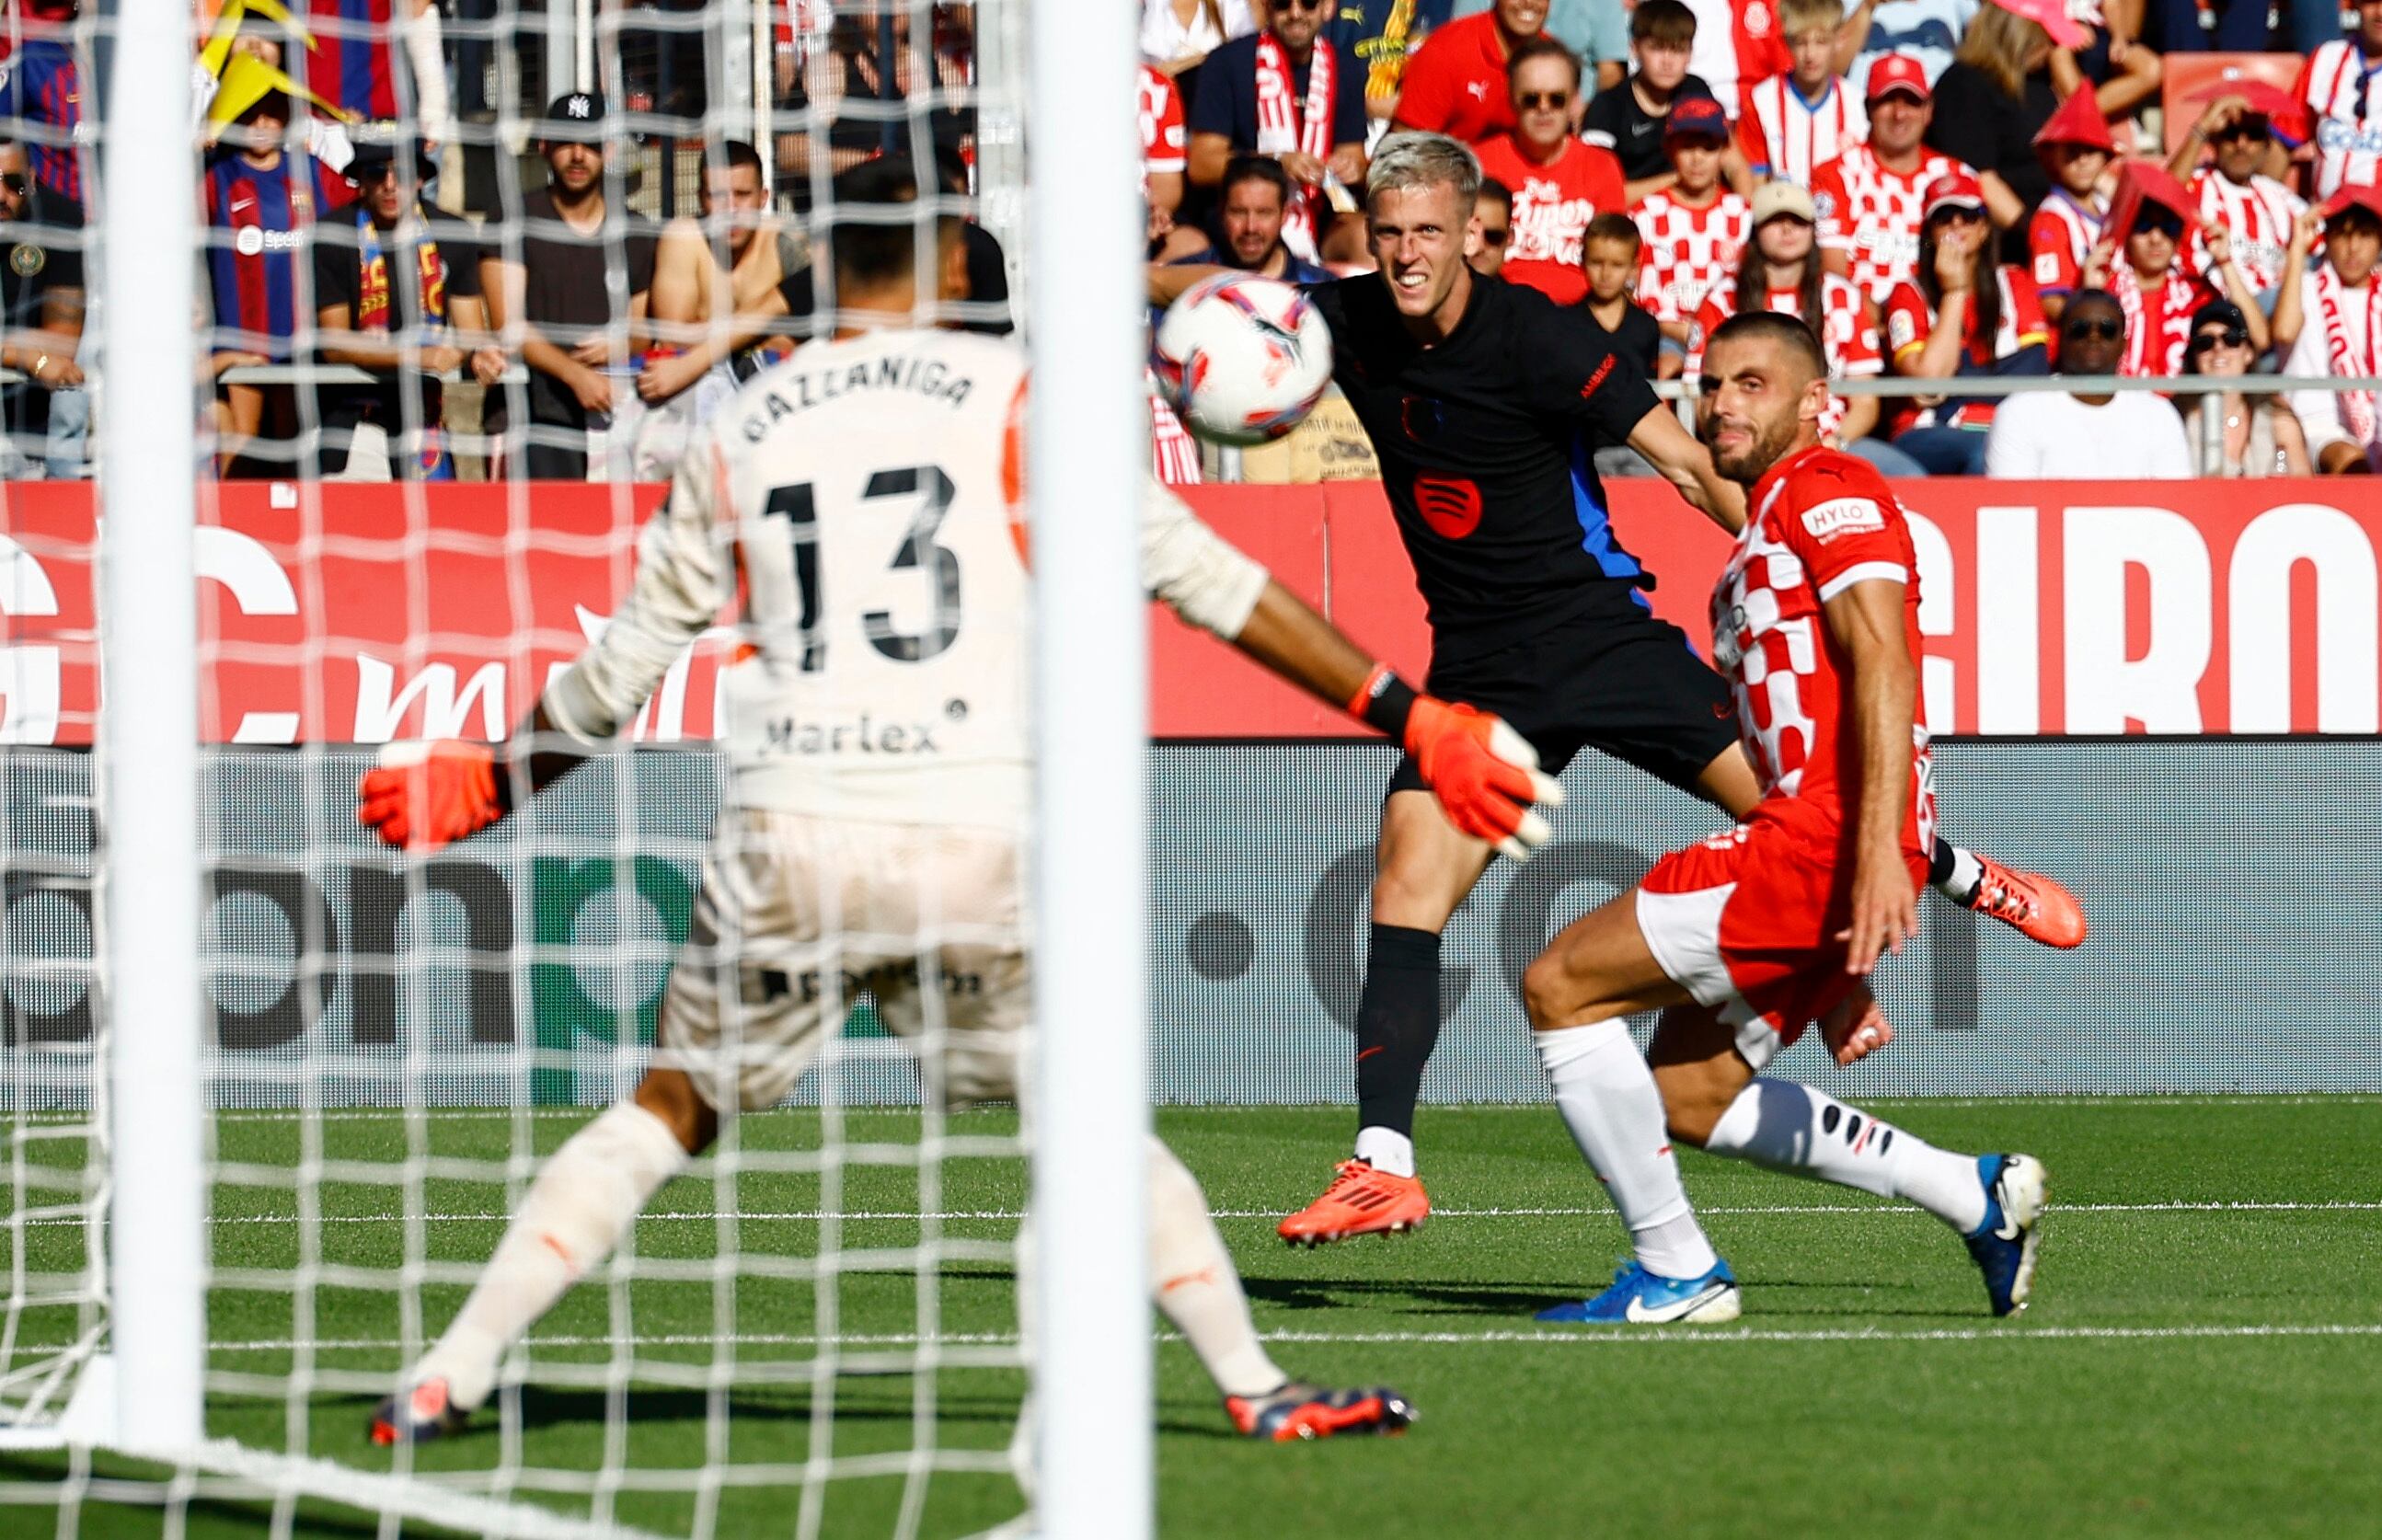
x=2204 y=1357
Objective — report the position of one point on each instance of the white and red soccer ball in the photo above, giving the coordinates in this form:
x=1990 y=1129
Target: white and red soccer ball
x=1243 y=360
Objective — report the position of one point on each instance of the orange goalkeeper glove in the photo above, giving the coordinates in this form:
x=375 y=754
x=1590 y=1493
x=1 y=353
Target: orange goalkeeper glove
x=1485 y=775
x=421 y=796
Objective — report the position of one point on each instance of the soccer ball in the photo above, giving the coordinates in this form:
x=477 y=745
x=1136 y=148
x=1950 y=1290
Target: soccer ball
x=1243 y=360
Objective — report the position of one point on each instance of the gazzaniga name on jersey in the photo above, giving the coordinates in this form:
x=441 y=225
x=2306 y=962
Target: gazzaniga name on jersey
x=929 y=377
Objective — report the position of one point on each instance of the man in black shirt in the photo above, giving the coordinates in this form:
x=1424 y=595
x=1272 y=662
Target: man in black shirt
x=397 y=293
x=1485 y=402
x=573 y=287
x=41 y=300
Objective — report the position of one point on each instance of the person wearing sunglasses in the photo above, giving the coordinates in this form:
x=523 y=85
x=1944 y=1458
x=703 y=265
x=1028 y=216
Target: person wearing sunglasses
x=1493 y=213
x=1961 y=314
x=2140 y=259
x=2261 y=434
x=1559 y=184
x=1289 y=93
x=2062 y=436
x=2234 y=188
x=45 y=416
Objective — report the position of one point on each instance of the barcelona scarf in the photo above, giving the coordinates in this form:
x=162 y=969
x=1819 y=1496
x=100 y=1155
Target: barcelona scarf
x=374 y=315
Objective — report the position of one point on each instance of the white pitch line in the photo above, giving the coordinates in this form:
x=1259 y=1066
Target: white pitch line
x=2210 y=1205
x=1589 y=1337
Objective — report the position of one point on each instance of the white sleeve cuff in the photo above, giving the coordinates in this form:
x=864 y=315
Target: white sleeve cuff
x=1868 y=571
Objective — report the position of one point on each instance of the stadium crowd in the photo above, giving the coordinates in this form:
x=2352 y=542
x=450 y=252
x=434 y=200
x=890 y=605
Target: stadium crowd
x=1933 y=183
x=1945 y=190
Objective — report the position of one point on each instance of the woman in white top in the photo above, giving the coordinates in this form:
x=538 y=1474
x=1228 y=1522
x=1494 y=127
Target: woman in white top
x=1177 y=34
x=2262 y=432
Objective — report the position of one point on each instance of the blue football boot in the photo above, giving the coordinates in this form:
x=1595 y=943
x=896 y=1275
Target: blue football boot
x=1640 y=1298
x=2003 y=1247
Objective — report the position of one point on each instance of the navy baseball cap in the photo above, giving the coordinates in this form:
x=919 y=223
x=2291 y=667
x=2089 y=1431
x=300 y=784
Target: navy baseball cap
x=1696 y=117
x=574 y=118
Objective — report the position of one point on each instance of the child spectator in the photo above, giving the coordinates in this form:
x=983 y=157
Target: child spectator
x=1791 y=125
x=2075 y=147
x=1629 y=122
x=2257 y=210
x=1454 y=83
x=1946 y=319
x=1781 y=271
x=1558 y=183
x=2333 y=327
x=1610 y=256
x=2140 y=259
x=1871 y=199
x=1694 y=231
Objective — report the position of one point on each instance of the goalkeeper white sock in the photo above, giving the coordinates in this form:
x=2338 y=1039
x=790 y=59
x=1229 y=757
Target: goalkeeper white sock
x=1608 y=1100
x=1197 y=1285
x=574 y=1214
x=1793 y=1128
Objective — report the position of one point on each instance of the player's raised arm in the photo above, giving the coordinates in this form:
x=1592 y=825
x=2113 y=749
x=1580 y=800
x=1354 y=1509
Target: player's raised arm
x=1866 y=620
x=1170 y=281
x=1687 y=465
x=421 y=796
x=1483 y=774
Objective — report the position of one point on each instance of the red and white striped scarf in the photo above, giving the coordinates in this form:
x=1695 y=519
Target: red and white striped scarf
x=2158 y=323
x=1284 y=125
x=2356 y=406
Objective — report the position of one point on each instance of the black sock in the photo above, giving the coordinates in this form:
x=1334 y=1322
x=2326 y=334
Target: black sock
x=1397 y=1025
x=1939 y=862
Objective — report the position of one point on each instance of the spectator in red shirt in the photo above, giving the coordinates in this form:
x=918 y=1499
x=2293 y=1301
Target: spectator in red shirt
x=1958 y=313
x=2154 y=287
x=1558 y=183
x=2075 y=148
x=1456 y=82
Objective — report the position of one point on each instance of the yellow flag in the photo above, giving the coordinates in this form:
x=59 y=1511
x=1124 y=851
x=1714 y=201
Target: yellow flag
x=247 y=80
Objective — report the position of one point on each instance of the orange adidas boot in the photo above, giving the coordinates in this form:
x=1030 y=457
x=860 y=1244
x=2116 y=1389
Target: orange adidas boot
x=2029 y=902
x=1299 y=1410
x=1360 y=1200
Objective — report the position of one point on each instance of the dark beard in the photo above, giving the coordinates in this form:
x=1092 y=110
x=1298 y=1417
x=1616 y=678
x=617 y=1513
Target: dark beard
x=1754 y=461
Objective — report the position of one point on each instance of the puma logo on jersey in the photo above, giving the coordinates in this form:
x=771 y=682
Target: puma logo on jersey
x=790 y=735
x=1842 y=515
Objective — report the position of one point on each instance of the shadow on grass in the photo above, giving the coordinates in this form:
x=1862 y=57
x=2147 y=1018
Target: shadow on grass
x=201 y=1515
x=543 y=1409
x=1407 y=1298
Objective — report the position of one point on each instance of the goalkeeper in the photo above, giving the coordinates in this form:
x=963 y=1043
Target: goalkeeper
x=876 y=725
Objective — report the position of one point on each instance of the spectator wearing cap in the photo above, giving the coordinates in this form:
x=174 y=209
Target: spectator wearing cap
x=1780 y=270
x=2258 y=435
x=1456 y=83
x=1557 y=183
x=2337 y=89
x=1871 y=199
x=1959 y=313
x=262 y=202
x=566 y=296
x=1249 y=221
x=397 y=294
x=2016 y=65
x=2141 y=259
x=45 y=416
x=1693 y=232
x=1287 y=93
x=2237 y=130
x=2075 y=149
x=1629 y=122
x=1493 y=212
x=2060 y=436
x=2332 y=326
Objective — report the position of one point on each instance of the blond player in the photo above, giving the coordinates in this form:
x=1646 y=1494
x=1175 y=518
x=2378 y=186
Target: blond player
x=855 y=503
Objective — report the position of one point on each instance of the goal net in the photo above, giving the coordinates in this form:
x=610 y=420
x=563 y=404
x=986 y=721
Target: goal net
x=271 y=1090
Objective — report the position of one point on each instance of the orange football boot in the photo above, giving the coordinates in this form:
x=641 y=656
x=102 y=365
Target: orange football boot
x=1298 y=1411
x=1360 y=1200
x=2030 y=903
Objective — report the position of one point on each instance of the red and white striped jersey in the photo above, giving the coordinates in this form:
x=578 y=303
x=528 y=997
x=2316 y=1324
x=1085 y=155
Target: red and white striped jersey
x=1873 y=212
x=1738 y=42
x=2342 y=90
x=2159 y=318
x=1687 y=250
x=1786 y=137
x=1165 y=144
x=1173 y=453
x=2059 y=240
x=1910 y=321
x=2259 y=214
x=1847 y=334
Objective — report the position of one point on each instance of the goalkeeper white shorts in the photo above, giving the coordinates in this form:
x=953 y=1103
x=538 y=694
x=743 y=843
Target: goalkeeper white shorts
x=801 y=917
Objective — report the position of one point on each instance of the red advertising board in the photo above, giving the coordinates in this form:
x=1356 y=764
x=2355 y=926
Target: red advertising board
x=357 y=614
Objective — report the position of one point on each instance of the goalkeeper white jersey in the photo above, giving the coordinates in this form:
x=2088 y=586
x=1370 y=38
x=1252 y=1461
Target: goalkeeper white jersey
x=853 y=505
